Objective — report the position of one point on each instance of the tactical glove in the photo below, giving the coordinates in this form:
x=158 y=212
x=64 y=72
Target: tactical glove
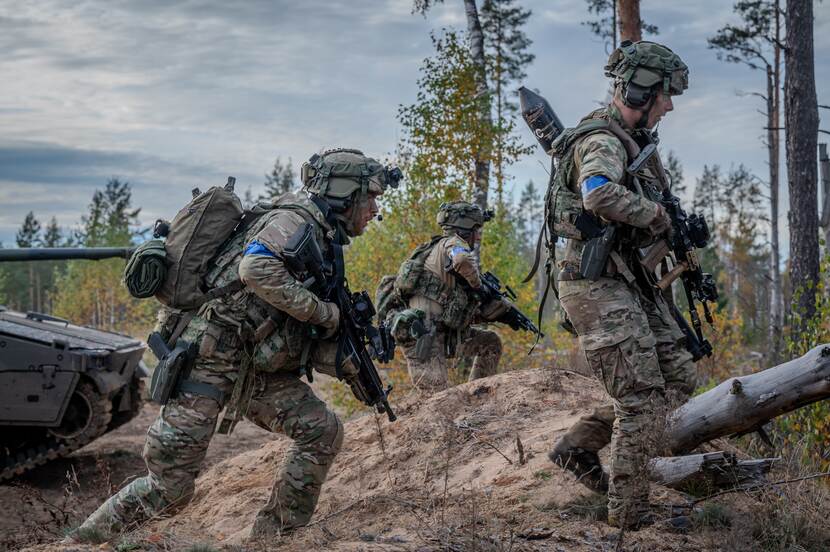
x=327 y=316
x=660 y=223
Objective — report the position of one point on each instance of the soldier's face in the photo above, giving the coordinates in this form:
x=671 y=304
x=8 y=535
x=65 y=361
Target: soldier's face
x=364 y=211
x=662 y=105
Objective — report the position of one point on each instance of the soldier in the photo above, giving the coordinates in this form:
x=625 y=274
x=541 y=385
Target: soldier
x=438 y=284
x=268 y=326
x=630 y=339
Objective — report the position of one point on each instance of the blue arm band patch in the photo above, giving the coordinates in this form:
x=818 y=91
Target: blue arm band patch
x=591 y=184
x=256 y=248
x=458 y=249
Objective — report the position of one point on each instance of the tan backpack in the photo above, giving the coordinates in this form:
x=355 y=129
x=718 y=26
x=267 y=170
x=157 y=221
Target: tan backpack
x=198 y=232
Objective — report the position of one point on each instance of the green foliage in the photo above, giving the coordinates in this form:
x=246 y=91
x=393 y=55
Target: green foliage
x=27 y=285
x=441 y=138
x=739 y=257
x=809 y=426
x=92 y=293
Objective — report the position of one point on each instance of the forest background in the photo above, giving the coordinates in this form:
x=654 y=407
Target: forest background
x=460 y=137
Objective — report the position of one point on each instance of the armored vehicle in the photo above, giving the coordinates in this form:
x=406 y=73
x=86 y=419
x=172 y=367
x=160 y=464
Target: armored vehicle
x=61 y=385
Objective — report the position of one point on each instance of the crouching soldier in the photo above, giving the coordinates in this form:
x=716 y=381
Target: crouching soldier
x=439 y=286
x=252 y=346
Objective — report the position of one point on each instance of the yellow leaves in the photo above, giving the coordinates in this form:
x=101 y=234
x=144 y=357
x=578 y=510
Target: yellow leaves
x=91 y=293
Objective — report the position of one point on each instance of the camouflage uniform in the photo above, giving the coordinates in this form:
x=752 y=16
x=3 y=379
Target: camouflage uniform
x=281 y=312
x=448 y=310
x=626 y=330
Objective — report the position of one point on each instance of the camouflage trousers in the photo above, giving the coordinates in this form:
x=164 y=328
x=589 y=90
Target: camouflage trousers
x=178 y=441
x=477 y=354
x=636 y=349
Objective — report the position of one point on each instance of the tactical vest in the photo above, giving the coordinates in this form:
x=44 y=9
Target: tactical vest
x=276 y=337
x=415 y=279
x=565 y=215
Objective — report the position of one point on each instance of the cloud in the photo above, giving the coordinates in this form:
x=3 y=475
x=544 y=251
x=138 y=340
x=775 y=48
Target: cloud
x=170 y=95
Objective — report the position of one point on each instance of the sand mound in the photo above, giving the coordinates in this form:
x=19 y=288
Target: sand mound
x=465 y=469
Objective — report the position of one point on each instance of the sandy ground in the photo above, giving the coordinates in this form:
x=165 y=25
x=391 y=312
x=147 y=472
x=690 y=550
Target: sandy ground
x=448 y=475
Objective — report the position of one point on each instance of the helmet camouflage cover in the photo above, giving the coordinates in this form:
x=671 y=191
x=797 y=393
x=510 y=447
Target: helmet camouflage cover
x=462 y=215
x=647 y=64
x=339 y=173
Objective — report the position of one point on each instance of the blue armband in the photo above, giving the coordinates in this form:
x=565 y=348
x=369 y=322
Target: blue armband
x=457 y=250
x=591 y=184
x=256 y=248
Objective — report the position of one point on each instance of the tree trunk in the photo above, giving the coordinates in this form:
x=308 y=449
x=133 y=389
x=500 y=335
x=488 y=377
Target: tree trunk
x=743 y=404
x=629 y=20
x=776 y=310
x=824 y=160
x=801 y=121
x=711 y=469
x=482 y=160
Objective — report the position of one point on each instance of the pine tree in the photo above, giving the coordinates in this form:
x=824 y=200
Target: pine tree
x=529 y=215
x=29 y=233
x=52 y=235
x=507 y=54
x=29 y=236
x=675 y=170
x=615 y=16
x=110 y=220
x=281 y=180
x=756 y=43
x=93 y=293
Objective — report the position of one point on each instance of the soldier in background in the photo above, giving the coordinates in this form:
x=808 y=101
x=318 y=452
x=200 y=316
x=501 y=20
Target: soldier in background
x=252 y=345
x=438 y=284
x=630 y=339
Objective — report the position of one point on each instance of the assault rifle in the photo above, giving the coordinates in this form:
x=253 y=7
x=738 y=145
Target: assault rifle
x=359 y=341
x=689 y=233
x=491 y=291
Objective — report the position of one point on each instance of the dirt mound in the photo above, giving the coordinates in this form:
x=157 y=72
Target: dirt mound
x=465 y=469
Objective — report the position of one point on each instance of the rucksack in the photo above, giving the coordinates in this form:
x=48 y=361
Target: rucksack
x=387 y=298
x=414 y=278
x=194 y=237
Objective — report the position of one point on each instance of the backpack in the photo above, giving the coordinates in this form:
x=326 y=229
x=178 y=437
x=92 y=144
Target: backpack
x=387 y=298
x=414 y=278
x=197 y=234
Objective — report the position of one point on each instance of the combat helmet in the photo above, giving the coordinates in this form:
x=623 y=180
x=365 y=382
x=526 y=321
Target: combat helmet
x=462 y=215
x=342 y=176
x=642 y=68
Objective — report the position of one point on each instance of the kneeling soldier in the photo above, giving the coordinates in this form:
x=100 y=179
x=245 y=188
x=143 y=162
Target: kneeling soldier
x=439 y=284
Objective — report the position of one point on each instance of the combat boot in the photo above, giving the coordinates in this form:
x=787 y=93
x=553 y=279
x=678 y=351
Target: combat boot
x=267 y=528
x=584 y=464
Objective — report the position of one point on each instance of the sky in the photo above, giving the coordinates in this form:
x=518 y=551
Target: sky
x=171 y=95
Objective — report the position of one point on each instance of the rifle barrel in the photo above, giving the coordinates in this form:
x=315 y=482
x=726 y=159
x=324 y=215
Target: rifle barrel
x=63 y=253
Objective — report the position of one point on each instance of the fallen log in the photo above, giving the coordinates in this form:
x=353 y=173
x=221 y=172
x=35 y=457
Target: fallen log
x=710 y=470
x=743 y=404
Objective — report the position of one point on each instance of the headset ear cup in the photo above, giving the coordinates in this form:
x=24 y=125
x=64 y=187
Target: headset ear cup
x=636 y=96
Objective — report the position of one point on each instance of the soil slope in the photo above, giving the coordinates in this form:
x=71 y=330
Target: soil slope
x=448 y=475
